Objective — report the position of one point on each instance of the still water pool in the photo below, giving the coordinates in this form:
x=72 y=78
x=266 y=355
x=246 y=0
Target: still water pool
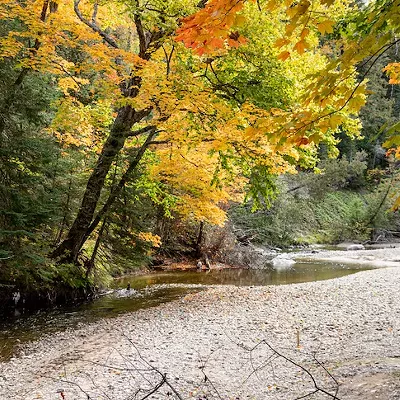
x=297 y=273
x=151 y=290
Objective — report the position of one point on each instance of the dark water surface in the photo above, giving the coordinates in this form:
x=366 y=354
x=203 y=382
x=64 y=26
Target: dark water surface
x=297 y=273
x=152 y=290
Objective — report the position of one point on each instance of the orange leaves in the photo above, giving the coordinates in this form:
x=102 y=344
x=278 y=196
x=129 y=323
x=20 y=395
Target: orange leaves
x=289 y=29
x=393 y=70
x=300 y=46
x=284 y=55
x=304 y=33
x=37 y=47
x=210 y=28
x=151 y=238
x=216 y=43
x=303 y=141
x=281 y=42
x=205 y=133
x=316 y=113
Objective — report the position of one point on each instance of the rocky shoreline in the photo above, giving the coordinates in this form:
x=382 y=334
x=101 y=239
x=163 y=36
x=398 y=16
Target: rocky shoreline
x=218 y=344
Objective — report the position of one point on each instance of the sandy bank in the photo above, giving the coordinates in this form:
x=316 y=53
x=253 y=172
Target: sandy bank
x=350 y=324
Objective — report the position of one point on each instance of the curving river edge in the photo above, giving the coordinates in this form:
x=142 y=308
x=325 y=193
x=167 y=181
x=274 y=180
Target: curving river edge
x=351 y=324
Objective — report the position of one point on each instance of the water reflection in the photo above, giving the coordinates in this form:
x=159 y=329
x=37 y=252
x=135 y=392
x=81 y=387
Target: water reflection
x=297 y=273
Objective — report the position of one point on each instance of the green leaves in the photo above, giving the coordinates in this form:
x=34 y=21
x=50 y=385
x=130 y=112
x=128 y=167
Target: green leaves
x=262 y=189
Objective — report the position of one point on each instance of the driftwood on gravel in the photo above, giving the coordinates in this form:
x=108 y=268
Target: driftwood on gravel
x=148 y=381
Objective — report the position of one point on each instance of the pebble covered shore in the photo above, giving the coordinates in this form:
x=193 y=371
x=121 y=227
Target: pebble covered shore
x=229 y=343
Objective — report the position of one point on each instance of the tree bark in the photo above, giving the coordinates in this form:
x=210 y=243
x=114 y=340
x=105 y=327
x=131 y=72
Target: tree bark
x=69 y=249
x=199 y=240
x=91 y=262
x=118 y=188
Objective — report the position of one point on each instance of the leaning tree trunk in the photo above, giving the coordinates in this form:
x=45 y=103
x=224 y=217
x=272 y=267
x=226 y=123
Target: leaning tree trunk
x=69 y=249
x=127 y=116
x=121 y=184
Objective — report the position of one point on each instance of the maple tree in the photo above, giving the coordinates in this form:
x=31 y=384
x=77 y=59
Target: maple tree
x=366 y=36
x=253 y=102
x=106 y=70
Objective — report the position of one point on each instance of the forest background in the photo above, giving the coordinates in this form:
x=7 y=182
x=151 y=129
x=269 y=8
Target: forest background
x=132 y=132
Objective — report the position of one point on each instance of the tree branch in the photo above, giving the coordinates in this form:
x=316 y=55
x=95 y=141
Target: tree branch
x=168 y=58
x=143 y=42
x=92 y=24
x=95 y=9
x=316 y=386
x=164 y=376
x=140 y=131
x=163 y=13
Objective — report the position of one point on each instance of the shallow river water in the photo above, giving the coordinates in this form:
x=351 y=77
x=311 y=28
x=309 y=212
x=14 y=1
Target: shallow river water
x=151 y=290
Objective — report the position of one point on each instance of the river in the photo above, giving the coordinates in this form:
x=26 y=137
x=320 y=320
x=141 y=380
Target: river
x=151 y=290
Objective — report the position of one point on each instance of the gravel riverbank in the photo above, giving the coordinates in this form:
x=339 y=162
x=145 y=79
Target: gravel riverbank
x=385 y=257
x=217 y=344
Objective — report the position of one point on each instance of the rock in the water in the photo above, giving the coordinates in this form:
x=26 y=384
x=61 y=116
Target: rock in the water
x=282 y=262
x=355 y=247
